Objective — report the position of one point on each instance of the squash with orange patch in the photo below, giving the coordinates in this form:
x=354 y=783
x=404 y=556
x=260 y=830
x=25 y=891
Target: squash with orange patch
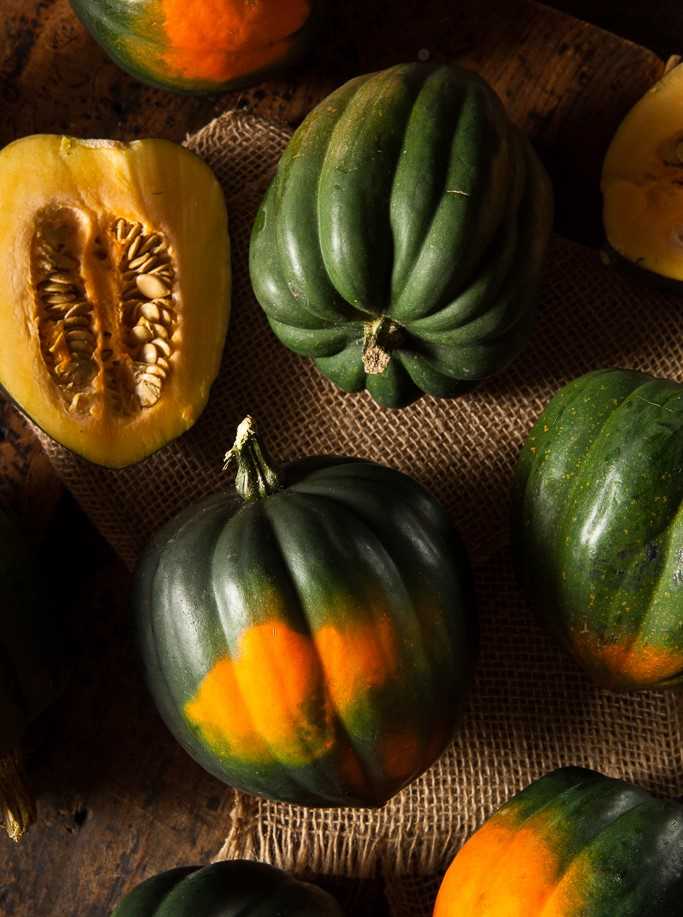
x=200 y=46
x=309 y=638
x=598 y=525
x=573 y=844
x=115 y=290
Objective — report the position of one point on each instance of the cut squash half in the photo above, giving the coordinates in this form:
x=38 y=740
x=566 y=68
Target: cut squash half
x=115 y=291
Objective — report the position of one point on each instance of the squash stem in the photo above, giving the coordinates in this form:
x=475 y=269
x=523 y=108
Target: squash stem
x=381 y=337
x=16 y=803
x=255 y=477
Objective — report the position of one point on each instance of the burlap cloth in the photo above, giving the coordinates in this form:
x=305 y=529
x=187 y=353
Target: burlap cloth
x=530 y=710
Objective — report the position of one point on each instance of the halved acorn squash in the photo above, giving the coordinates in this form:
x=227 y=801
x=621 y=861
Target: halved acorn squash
x=114 y=290
x=642 y=182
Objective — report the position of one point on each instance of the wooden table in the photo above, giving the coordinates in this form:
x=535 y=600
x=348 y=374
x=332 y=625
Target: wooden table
x=118 y=798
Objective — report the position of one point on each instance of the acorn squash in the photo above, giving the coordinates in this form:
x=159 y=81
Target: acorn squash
x=573 y=844
x=598 y=529
x=114 y=295
x=310 y=637
x=642 y=184
x=232 y=888
x=29 y=670
x=401 y=241
x=200 y=46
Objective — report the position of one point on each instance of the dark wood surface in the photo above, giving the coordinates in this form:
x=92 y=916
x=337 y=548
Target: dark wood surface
x=118 y=798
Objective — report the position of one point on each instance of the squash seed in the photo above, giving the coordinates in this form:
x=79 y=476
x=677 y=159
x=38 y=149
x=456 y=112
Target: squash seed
x=149 y=353
x=151 y=287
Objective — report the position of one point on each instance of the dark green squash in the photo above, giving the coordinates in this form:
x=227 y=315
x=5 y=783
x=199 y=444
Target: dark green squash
x=29 y=678
x=598 y=528
x=400 y=244
x=200 y=46
x=573 y=844
x=229 y=889
x=310 y=637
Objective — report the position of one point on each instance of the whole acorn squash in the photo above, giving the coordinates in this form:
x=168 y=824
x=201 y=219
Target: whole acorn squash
x=401 y=241
x=229 y=889
x=200 y=46
x=29 y=669
x=573 y=844
x=309 y=638
x=598 y=528
x=114 y=290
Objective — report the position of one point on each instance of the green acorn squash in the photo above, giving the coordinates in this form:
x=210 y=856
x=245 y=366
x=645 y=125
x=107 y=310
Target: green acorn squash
x=309 y=638
x=598 y=528
x=229 y=889
x=573 y=844
x=400 y=243
x=200 y=46
x=29 y=678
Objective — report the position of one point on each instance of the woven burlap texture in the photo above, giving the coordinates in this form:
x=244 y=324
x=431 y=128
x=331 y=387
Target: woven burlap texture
x=530 y=709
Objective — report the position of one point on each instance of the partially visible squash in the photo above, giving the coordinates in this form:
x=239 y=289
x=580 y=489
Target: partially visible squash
x=573 y=844
x=233 y=888
x=200 y=45
x=114 y=290
x=642 y=182
x=29 y=678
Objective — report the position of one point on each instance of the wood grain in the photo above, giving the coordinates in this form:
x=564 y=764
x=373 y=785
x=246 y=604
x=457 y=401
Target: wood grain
x=118 y=798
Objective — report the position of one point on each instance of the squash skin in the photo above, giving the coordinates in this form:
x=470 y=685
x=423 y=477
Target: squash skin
x=372 y=214
x=598 y=526
x=229 y=888
x=573 y=844
x=350 y=561
x=135 y=35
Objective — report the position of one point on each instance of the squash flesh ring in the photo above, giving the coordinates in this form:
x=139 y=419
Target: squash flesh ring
x=642 y=181
x=114 y=298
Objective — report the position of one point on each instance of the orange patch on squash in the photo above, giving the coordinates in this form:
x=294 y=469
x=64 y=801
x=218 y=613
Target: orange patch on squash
x=504 y=870
x=220 y=40
x=356 y=658
x=259 y=703
x=276 y=698
x=628 y=664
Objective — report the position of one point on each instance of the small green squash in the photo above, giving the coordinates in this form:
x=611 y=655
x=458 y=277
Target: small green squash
x=29 y=678
x=310 y=637
x=573 y=844
x=401 y=241
x=200 y=46
x=598 y=527
x=229 y=889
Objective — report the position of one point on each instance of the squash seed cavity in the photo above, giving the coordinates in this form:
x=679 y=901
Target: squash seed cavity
x=66 y=320
x=147 y=279
x=105 y=339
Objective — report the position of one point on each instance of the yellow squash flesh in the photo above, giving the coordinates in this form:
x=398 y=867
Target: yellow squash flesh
x=108 y=344
x=642 y=181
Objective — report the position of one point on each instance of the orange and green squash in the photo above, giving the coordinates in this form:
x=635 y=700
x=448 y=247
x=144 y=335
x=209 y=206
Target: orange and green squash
x=401 y=241
x=573 y=844
x=30 y=676
x=309 y=637
x=598 y=529
x=114 y=290
x=234 y=888
x=642 y=184
x=200 y=46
